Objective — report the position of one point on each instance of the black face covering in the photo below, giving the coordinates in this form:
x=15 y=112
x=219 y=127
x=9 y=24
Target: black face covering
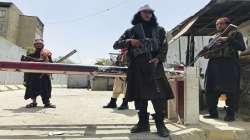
x=148 y=28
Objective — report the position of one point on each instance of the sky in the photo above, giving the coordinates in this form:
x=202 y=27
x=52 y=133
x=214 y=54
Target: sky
x=92 y=26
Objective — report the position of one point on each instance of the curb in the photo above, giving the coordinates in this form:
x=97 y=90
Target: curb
x=59 y=86
x=3 y=88
x=204 y=134
x=11 y=87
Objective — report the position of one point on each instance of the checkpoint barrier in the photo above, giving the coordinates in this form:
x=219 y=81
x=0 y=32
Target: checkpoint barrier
x=185 y=106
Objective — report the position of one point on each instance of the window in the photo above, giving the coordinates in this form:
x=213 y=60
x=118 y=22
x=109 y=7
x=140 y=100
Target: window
x=2 y=27
x=2 y=13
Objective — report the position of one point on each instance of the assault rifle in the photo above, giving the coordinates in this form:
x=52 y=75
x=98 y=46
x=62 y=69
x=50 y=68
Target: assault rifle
x=66 y=56
x=210 y=47
x=29 y=58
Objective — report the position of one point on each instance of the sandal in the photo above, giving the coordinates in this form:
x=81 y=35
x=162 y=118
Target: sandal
x=49 y=106
x=31 y=105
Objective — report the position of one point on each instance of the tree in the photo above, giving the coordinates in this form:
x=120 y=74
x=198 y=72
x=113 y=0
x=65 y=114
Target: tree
x=103 y=62
x=30 y=50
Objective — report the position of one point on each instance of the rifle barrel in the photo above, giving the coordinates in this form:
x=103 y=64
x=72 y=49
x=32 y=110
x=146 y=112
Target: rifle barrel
x=66 y=56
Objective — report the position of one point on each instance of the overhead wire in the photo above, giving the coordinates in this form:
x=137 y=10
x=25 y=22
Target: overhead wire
x=89 y=15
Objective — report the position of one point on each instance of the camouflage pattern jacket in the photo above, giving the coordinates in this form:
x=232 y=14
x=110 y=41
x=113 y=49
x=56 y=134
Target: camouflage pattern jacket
x=157 y=45
x=230 y=48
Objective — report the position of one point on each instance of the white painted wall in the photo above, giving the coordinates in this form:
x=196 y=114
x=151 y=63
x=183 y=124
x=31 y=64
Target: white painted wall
x=10 y=52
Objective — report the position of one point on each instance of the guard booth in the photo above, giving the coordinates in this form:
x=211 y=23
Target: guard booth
x=186 y=40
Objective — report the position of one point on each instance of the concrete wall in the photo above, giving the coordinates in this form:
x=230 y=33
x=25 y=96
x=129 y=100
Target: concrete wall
x=26 y=30
x=59 y=79
x=10 y=52
x=78 y=81
x=101 y=83
x=244 y=103
x=13 y=23
x=20 y=29
x=29 y=29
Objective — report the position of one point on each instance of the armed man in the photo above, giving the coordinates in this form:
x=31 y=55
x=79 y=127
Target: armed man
x=37 y=83
x=223 y=71
x=147 y=49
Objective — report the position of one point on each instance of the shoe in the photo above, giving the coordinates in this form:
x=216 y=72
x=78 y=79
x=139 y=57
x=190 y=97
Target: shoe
x=31 y=105
x=162 y=130
x=230 y=115
x=49 y=106
x=142 y=125
x=111 y=104
x=124 y=105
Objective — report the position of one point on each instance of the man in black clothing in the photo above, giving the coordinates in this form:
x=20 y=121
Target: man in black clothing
x=146 y=76
x=223 y=71
x=38 y=83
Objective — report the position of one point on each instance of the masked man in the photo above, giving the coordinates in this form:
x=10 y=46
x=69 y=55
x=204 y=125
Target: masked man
x=147 y=49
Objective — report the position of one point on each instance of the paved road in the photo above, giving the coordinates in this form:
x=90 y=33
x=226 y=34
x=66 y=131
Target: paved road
x=79 y=114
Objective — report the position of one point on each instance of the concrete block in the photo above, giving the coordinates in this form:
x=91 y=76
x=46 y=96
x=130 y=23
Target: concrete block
x=191 y=95
x=172 y=112
x=12 y=87
x=59 y=86
x=101 y=83
x=3 y=88
x=78 y=81
x=20 y=86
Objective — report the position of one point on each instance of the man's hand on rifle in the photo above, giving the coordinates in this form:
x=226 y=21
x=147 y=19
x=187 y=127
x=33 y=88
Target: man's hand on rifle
x=134 y=42
x=154 y=60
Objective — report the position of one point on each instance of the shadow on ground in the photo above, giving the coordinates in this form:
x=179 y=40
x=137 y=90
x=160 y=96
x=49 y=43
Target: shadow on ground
x=26 y=110
x=128 y=112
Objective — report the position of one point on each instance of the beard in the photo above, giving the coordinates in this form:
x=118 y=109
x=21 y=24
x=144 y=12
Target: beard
x=38 y=50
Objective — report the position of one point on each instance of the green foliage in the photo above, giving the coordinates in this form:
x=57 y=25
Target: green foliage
x=103 y=62
x=30 y=50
